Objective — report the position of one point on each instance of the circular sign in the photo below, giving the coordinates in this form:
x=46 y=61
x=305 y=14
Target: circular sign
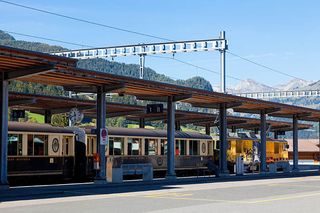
x=55 y=145
x=159 y=161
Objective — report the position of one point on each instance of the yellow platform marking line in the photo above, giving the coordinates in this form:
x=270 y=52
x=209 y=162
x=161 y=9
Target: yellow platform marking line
x=173 y=194
x=295 y=185
x=284 y=198
x=271 y=199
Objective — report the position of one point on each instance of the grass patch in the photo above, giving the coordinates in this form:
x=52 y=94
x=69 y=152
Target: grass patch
x=34 y=117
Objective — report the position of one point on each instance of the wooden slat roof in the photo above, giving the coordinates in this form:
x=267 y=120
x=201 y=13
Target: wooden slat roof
x=57 y=104
x=86 y=80
x=17 y=60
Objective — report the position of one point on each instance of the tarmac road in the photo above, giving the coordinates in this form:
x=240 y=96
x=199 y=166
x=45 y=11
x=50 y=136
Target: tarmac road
x=301 y=194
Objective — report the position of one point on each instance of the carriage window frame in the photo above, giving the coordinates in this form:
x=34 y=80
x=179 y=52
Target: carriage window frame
x=181 y=147
x=194 y=147
x=151 y=146
x=34 y=148
x=134 y=141
x=112 y=141
x=163 y=146
x=15 y=150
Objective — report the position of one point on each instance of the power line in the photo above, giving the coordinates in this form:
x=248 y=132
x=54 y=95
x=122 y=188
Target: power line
x=47 y=39
x=196 y=66
x=129 y=31
x=264 y=66
x=85 y=21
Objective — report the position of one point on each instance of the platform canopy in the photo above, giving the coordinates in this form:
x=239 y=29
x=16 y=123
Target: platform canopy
x=57 y=104
x=15 y=63
x=62 y=72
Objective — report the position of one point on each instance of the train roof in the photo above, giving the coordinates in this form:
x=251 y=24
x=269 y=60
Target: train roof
x=36 y=127
x=139 y=132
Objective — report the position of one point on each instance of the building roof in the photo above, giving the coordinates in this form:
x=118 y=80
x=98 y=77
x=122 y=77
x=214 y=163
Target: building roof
x=305 y=145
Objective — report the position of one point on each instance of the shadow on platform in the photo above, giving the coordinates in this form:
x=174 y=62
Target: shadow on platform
x=85 y=189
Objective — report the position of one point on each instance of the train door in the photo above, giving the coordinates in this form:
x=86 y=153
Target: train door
x=80 y=155
x=68 y=156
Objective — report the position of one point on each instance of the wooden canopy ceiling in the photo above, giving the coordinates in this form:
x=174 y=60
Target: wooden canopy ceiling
x=15 y=63
x=63 y=73
x=41 y=103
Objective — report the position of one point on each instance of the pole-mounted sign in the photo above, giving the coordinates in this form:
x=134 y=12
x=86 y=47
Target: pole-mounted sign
x=103 y=136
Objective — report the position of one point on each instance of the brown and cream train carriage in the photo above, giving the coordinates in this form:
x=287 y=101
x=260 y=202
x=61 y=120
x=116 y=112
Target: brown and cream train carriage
x=131 y=146
x=41 y=150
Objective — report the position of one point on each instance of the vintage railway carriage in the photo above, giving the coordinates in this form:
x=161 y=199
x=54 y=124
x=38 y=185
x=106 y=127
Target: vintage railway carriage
x=130 y=146
x=247 y=146
x=41 y=150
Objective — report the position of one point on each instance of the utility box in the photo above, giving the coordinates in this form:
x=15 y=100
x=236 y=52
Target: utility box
x=239 y=167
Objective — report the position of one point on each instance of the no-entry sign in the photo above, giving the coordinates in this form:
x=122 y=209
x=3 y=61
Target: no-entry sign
x=103 y=136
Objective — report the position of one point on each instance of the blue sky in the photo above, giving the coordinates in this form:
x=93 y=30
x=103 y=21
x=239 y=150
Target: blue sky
x=283 y=34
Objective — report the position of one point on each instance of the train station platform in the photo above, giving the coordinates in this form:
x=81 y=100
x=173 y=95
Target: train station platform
x=90 y=188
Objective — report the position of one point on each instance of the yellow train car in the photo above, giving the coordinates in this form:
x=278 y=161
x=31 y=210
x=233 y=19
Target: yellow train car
x=245 y=146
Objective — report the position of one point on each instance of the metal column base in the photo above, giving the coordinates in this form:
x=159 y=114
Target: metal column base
x=295 y=170
x=171 y=177
x=100 y=181
x=223 y=174
x=4 y=187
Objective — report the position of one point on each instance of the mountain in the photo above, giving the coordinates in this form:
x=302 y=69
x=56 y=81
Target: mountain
x=294 y=84
x=250 y=85
x=102 y=65
x=312 y=86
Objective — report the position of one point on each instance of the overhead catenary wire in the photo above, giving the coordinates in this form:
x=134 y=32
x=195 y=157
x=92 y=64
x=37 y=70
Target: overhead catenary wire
x=137 y=33
x=263 y=66
x=47 y=39
x=85 y=21
x=193 y=65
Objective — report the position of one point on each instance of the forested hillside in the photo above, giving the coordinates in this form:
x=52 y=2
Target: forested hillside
x=101 y=65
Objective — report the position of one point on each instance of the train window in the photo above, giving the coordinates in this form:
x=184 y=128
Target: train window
x=116 y=146
x=217 y=144
x=134 y=145
x=163 y=147
x=30 y=144
x=37 y=144
x=93 y=150
x=238 y=147
x=14 y=144
x=193 y=147
x=40 y=144
x=151 y=146
x=181 y=147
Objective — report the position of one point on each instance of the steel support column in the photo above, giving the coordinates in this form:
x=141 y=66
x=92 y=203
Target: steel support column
x=275 y=135
x=178 y=126
x=4 y=134
x=263 y=141
x=208 y=129
x=295 y=142
x=170 y=138
x=101 y=123
x=141 y=123
x=47 y=116
x=223 y=164
x=223 y=65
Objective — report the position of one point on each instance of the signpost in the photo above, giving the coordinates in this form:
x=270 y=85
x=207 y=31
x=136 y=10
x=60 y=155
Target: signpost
x=104 y=136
